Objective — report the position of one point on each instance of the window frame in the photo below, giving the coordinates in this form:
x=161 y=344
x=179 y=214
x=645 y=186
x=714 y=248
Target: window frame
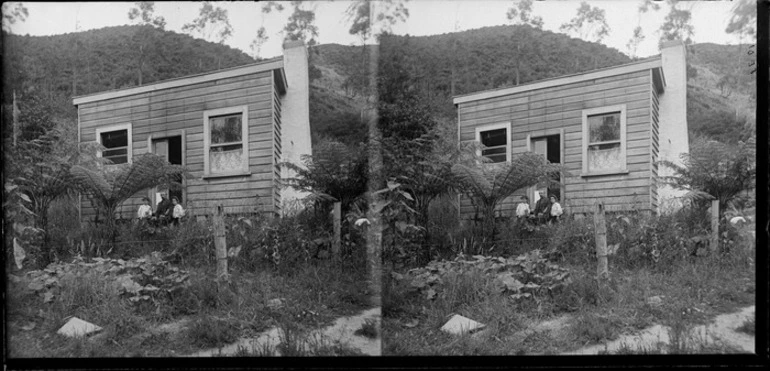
x=129 y=139
x=207 y=115
x=489 y=127
x=586 y=140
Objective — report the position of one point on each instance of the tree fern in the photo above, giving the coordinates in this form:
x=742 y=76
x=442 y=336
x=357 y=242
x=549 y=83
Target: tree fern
x=108 y=186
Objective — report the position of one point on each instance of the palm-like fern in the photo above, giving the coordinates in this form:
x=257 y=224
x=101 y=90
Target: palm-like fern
x=333 y=172
x=109 y=186
x=713 y=170
x=487 y=184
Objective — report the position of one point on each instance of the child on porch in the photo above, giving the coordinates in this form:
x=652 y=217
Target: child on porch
x=178 y=210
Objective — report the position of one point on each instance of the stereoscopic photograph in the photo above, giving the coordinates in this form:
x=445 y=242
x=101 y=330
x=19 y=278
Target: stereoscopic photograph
x=388 y=178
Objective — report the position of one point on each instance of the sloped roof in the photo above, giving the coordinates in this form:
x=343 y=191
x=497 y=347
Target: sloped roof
x=266 y=65
x=654 y=63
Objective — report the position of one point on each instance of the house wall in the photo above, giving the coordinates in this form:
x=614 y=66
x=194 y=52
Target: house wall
x=170 y=111
x=559 y=109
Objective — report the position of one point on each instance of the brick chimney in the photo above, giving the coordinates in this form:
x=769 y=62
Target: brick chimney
x=673 y=136
x=295 y=113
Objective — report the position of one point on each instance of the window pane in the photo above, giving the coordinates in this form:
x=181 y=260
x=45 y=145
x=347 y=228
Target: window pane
x=604 y=157
x=118 y=138
x=497 y=158
x=493 y=151
x=225 y=129
x=604 y=127
x=117 y=159
x=115 y=152
x=225 y=159
x=492 y=138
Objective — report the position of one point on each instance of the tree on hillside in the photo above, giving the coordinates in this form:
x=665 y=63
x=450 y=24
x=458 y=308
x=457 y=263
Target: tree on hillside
x=13 y=12
x=261 y=38
x=743 y=21
x=521 y=15
x=638 y=35
x=301 y=26
x=212 y=24
x=143 y=14
x=589 y=24
x=676 y=25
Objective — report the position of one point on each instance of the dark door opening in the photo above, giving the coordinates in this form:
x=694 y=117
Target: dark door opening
x=550 y=148
x=171 y=149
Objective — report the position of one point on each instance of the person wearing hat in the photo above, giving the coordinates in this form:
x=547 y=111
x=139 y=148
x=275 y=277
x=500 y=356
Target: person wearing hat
x=542 y=211
x=555 y=209
x=145 y=210
x=163 y=212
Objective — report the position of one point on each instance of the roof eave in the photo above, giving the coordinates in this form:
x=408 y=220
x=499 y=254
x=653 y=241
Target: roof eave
x=654 y=62
x=270 y=64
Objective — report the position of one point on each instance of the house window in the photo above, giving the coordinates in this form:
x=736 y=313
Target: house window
x=496 y=142
x=604 y=140
x=117 y=143
x=226 y=136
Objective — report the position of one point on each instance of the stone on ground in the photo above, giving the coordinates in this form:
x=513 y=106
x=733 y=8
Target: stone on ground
x=458 y=325
x=76 y=327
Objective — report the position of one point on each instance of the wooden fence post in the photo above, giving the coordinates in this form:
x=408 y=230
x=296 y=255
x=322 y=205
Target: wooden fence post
x=337 y=230
x=714 y=226
x=220 y=244
x=600 y=234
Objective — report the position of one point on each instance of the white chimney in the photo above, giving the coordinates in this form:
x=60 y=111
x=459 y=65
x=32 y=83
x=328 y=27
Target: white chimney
x=295 y=115
x=673 y=135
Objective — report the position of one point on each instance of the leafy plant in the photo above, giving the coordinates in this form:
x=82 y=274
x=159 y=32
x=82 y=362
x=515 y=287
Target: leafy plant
x=109 y=186
x=148 y=279
x=714 y=170
x=335 y=172
x=486 y=185
x=526 y=276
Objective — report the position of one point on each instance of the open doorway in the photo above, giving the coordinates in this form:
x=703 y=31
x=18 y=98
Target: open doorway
x=169 y=148
x=549 y=147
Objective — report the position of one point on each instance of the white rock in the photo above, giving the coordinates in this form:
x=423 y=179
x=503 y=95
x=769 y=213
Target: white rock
x=655 y=301
x=458 y=324
x=76 y=327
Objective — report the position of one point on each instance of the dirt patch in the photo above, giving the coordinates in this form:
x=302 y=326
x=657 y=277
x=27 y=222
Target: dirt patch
x=719 y=334
x=340 y=333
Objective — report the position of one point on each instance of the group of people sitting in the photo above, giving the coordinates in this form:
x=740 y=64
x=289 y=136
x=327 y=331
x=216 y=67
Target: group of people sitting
x=547 y=210
x=166 y=212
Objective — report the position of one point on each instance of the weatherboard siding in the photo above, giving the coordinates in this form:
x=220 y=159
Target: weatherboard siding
x=533 y=113
x=162 y=112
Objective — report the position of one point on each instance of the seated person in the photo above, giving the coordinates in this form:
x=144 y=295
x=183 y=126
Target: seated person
x=163 y=212
x=542 y=206
x=145 y=210
x=556 y=210
x=178 y=212
x=522 y=209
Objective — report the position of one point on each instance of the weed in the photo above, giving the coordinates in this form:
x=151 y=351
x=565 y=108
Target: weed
x=209 y=332
x=368 y=329
x=594 y=328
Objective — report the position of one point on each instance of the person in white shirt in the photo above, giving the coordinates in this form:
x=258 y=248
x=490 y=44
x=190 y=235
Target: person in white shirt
x=556 y=210
x=178 y=210
x=522 y=209
x=145 y=210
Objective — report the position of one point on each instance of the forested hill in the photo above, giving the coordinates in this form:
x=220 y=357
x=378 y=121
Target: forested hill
x=50 y=70
x=56 y=68
x=487 y=58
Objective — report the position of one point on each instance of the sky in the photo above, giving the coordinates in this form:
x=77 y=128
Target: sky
x=426 y=17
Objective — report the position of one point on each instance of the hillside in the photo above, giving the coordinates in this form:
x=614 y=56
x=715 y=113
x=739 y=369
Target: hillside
x=50 y=70
x=721 y=95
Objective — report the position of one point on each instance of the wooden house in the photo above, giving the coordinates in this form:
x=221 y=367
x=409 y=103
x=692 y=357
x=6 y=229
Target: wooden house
x=231 y=128
x=608 y=128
